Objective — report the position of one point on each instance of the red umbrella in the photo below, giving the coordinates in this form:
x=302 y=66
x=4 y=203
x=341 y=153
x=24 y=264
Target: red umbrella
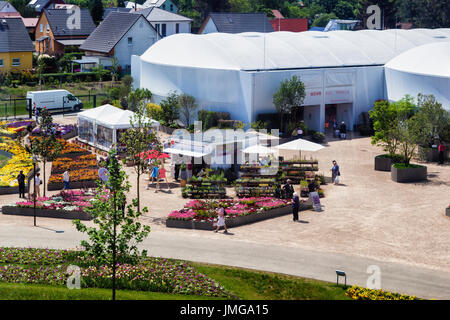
x=153 y=154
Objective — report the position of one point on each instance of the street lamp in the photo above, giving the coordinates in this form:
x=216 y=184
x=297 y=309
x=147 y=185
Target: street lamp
x=34 y=158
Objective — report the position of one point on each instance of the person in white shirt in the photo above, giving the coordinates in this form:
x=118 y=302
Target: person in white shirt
x=66 y=179
x=37 y=183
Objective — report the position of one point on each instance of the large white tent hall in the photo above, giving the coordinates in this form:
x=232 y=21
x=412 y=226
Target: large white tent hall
x=343 y=71
x=101 y=127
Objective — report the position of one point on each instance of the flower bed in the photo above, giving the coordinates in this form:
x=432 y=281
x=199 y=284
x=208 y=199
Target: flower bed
x=12 y=128
x=82 y=164
x=67 y=130
x=20 y=160
x=360 y=293
x=200 y=214
x=68 y=204
x=151 y=274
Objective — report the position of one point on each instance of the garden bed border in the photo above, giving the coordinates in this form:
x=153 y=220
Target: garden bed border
x=46 y=213
x=236 y=221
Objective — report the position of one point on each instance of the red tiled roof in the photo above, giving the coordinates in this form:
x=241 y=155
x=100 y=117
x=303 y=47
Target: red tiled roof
x=293 y=25
x=30 y=22
x=9 y=14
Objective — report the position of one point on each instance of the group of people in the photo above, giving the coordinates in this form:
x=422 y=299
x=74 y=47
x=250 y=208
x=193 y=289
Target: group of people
x=156 y=173
x=339 y=131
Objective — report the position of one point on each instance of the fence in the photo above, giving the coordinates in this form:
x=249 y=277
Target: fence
x=14 y=108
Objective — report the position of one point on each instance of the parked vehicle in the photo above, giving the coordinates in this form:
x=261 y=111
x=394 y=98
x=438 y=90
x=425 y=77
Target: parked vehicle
x=54 y=99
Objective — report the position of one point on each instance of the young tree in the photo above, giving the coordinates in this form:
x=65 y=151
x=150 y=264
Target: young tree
x=187 y=107
x=138 y=98
x=47 y=147
x=434 y=118
x=118 y=230
x=409 y=131
x=290 y=94
x=114 y=70
x=384 y=118
x=137 y=140
x=170 y=109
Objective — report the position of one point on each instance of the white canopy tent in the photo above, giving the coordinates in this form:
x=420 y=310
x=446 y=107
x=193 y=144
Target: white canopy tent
x=258 y=149
x=300 y=145
x=102 y=126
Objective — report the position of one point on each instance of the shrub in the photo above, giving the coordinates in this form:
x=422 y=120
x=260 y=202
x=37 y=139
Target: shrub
x=154 y=111
x=318 y=137
x=402 y=165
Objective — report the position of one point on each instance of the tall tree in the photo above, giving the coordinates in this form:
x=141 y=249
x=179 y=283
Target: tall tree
x=138 y=98
x=97 y=11
x=46 y=147
x=137 y=140
x=290 y=94
x=170 y=109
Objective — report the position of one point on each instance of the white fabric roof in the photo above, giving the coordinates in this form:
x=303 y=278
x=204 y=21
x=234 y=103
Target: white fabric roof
x=279 y=50
x=430 y=59
x=184 y=152
x=112 y=117
x=300 y=145
x=258 y=149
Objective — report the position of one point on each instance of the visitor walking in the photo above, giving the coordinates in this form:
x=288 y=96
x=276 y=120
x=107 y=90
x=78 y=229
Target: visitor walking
x=335 y=129
x=21 y=181
x=37 y=183
x=163 y=176
x=335 y=173
x=343 y=130
x=66 y=179
x=295 y=206
x=221 y=219
x=441 y=149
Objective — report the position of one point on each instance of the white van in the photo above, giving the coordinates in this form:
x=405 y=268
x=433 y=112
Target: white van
x=54 y=99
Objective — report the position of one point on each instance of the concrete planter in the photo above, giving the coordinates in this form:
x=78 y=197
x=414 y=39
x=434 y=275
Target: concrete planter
x=237 y=221
x=408 y=174
x=447 y=212
x=73 y=185
x=46 y=213
x=382 y=163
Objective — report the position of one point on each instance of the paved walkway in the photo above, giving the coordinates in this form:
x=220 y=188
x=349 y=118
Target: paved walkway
x=226 y=251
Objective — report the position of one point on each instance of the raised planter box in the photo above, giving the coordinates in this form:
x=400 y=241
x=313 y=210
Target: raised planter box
x=237 y=221
x=73 y=185
x=46 y=213
x=12 y=190
x=408 y=174
x=382 y=163
x=447 y=212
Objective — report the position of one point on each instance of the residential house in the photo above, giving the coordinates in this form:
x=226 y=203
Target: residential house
x=107 y=11
x=167 y=5
x=30 y=25
x=236 y=23
x=165 y=22
x=16 y=48
x=119 y=36
x=7 y=9
x=41 y=5
x=133 y=5
x=292 y=25
x=54 y=31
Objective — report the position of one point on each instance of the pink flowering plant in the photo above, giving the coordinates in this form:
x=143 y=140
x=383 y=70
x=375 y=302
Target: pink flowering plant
x=68 y=200
x=206 y=210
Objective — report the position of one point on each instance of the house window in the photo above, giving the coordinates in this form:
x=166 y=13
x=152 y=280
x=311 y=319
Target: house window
x=171 y=7
x=130 y=40
x=48 y=28
x=163 y=32
x=16 y=62
x=164 y=7
x=1 y=63
x=41 y=27
x=177 y=28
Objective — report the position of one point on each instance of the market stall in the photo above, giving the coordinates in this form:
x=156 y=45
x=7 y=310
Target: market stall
x=102 y=127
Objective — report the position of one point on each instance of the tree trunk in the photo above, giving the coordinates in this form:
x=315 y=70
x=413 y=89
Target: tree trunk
x=114 y=250
x=138 y=193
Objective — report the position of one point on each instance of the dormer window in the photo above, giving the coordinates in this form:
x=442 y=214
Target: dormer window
x=130 y=41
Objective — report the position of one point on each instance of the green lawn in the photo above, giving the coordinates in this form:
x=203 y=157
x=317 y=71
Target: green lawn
x=18 y=291
x=258 y=285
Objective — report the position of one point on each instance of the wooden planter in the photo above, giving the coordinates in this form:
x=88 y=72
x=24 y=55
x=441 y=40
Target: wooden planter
x=236 y=221
x=408 y=174
x=382 y=163
x=46 y=213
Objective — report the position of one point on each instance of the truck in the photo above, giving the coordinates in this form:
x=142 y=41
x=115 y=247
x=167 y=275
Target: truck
x=54 y=99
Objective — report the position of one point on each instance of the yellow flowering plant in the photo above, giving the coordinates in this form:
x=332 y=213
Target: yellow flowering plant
x=20 y=160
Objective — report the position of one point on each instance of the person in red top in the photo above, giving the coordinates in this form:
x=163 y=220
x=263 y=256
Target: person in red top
x=441 y=149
